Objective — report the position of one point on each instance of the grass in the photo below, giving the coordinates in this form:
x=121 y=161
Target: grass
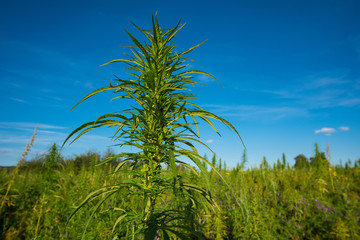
x=277 y=202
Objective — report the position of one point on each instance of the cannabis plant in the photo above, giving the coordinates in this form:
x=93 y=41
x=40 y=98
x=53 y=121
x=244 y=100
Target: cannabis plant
x=161 y=127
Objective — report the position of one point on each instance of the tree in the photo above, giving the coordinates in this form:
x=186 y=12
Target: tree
x=319 y=160
x=243 y=160
x=159 y=124
x=357 y=163
x=264 y=163
x=301 y=162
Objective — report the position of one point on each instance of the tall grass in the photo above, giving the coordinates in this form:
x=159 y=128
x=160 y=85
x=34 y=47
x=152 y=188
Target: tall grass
x=263 y=202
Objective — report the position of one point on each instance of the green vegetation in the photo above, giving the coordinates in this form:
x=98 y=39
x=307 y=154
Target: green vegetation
x=276 y=202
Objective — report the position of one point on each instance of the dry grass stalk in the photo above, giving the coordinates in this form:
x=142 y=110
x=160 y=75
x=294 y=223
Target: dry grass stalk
x=16 y=171
x=332 y=171
x=328 y=153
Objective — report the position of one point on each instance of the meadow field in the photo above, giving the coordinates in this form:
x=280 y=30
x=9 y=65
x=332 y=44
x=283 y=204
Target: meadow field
x=266 y=202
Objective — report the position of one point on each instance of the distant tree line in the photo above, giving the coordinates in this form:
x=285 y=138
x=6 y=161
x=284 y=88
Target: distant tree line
x=52 y=160
x=319 y=161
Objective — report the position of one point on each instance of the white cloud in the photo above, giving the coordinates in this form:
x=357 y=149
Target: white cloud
x=343 y=128
x=210 y=141
x=326 y=130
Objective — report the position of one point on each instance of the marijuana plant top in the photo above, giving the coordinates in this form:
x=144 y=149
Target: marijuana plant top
x=161 y=124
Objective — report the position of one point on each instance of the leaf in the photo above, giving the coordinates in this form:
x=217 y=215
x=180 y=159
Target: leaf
x=119 y=219
x=91 y=197
x=119 y=60
x=95 y=209
x=93 y=93
x=190 y=49
x=200 y=72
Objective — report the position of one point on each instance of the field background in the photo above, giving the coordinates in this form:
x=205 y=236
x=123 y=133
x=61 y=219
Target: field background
x=266 y=202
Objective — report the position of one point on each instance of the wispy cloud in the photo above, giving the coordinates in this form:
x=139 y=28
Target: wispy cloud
x=280 y=93
x=14 y=138
x=58 y=99
x=17 y=100
x=26 y=125
x=46 y=90
x=15 y=135
x=88 y=85
x=344 y=129
x=324 y=82
x=356 y=43
x=324 y=99
x=43 y=54
x=6 y=151
x=350 y=102
x=357 y=84
x=249 y=112
x=336 y=77
x=52 y=64
x=14 y=85
x=204 y=78
x=210 y=140
x=19 y=133
x=322 y=90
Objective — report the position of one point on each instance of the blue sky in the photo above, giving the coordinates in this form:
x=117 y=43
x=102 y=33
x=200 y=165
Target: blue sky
x=290 y=70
